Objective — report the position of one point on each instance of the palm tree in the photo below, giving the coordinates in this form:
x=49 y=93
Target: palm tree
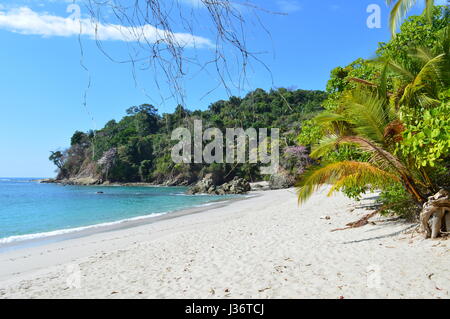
x=370 y=121
x=400 y=9
x=426 y=77
x=367 y=122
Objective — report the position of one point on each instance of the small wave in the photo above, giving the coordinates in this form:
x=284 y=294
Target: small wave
x=212 y=203
x=18 y=238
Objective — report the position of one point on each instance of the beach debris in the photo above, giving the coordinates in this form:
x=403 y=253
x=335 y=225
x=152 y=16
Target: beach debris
x=325 y=217
x=280 y=268
x=362 y=221
x=264 y=289
x=435 y=215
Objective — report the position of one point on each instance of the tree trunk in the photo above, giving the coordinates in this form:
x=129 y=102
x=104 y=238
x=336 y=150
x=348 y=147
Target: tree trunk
x=435 y=215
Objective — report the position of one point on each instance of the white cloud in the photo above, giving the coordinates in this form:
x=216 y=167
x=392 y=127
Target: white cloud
x=289 y=6
x=25 y=21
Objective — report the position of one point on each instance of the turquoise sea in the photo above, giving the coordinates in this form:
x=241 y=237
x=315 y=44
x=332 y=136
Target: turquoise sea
x=30 y=210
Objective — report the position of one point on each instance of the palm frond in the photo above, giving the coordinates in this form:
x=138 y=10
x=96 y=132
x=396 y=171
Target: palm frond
x=398 y=12
x=325 y=145
x=332 y=122
x=368 y=112
x=327 y=117
x=427 y=102
x=431 y=76
x=341 y=174
x=398 y=68
x=380 y=157
x=429 y=5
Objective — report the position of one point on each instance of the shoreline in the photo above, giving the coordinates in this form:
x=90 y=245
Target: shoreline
x=12 y=243
x=93 y=182
x=264 y=247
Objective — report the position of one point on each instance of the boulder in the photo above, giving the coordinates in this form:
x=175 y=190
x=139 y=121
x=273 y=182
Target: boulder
x=281 y=180
x=202 y=187
x=207 y=186
x=260 y=186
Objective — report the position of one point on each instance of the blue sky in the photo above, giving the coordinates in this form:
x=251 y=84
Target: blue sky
x=42 y=83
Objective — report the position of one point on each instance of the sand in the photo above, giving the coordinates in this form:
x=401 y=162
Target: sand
x=262 y=247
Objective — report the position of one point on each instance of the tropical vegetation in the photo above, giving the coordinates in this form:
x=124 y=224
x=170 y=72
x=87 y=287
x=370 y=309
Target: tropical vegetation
x=138 y=147
x=401 y=7
x=385 y=124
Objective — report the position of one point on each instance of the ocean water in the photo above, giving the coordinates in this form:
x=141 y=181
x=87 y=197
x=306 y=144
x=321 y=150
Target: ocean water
x=31 y=210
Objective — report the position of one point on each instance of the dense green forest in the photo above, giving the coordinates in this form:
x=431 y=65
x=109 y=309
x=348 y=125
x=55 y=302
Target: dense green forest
x=137 y=148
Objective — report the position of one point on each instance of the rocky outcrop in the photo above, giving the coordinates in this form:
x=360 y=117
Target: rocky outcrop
x=260 y=186
x=83 y=181
x=207 y=186
x=281 y=180
x=47 y=181
x=179 y=180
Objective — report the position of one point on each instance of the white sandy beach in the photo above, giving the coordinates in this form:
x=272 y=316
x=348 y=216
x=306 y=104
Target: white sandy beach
x=262 y=247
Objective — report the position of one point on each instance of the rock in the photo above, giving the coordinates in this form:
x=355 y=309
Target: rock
x=47 y=180
x=207 y=186
x=260 y=186
x=179 y=180
x=281 y=180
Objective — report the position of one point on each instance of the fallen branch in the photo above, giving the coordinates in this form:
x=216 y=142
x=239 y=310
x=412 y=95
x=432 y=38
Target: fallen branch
x=363 y=221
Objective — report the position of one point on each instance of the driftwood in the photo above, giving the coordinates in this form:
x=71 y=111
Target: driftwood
x=360 y=222
x=435 y=215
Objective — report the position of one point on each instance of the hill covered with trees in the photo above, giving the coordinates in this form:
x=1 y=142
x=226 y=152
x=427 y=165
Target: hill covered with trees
x=138 y=147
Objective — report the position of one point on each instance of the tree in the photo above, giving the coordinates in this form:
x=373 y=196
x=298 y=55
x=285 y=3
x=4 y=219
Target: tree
x=142 y=138
x=361 y=123
x=145 y=170
x=78 y=138
x=146 y=119
x=57 y=158
x=396 y=115
x=154 y=44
